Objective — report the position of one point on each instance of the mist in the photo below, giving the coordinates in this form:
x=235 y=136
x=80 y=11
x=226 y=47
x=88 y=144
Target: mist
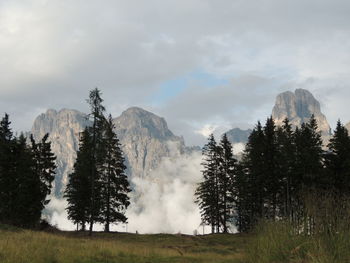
x=162 y=202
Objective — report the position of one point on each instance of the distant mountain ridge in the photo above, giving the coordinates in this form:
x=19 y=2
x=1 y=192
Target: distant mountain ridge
x=297 y=106
x=144 y=136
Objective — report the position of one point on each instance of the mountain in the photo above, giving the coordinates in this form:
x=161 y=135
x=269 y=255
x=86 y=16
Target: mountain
x=237 y=135
x=298 y=108
x=63 y=127
x=145 y=140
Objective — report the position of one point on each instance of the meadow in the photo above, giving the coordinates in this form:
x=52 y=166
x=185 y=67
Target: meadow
x=272 y=242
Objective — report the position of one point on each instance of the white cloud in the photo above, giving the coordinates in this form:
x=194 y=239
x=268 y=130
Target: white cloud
x=53 y=52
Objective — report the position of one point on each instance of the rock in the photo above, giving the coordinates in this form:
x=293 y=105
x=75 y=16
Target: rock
x=237 y=135
x=298 y=108
x=63 y=127
x=145 y=140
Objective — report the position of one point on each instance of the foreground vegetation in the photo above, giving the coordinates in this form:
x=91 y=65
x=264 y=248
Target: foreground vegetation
x=272 y=242
x=40 y=247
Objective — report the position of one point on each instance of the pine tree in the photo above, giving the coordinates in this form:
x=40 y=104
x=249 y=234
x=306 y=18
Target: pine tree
x=270 y=170
x=29 y=194
x=207 y=191
x=45 y=166
x=96 y=130
x=285 y=164
x=7 y=182
x=309 y=154
x=338 y=160
x=78 y=190
x=226 y=178
x=114 y=182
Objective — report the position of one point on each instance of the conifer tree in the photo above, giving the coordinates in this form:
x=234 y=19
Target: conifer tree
x=226 y=178
x=270 y=170
x=207 y=191
x=45 y=166
x=78 y=190
x=338 y=160
x=285 y=164
x=114 y=182
x=29 y=193
x=96 y=130
x=7 y=184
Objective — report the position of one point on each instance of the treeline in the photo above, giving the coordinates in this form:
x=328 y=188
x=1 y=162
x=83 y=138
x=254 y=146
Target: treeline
x=27 y=171
x=97 y=191
x=284 y=174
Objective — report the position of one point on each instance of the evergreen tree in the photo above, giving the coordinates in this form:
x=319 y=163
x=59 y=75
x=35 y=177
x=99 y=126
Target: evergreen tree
x=226 y=178
x=338 y=160
x=114 y=182
x=207 y=191
x=96 y=130
x=270 y=170
x=285 y=164
x=309 y=155
x=7 y=184
x=78 y=190
x=45 y=166
x=29 y=194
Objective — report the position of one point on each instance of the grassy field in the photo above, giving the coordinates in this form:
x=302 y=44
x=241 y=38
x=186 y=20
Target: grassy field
x=30 y=246
x=272 y=242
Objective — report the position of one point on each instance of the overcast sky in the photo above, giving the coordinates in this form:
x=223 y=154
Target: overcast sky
x=200 y=64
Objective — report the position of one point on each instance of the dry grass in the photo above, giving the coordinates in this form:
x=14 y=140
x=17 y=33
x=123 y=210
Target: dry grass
x=40 y=247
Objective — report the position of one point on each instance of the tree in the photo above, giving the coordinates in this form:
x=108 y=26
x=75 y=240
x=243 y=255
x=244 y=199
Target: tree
x=285 y=164
x=78 y=190
x=207 y=191
x=98 y=120
x=114 y=182
x=7 y=184
x=226 y=178
x=338 y=160
x=45 y=166
x=29 y=195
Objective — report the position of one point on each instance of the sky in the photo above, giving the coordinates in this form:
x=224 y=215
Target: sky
x=203 y=65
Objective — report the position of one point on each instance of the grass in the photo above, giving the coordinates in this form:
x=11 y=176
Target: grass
x=272 y=242
x=40 y=247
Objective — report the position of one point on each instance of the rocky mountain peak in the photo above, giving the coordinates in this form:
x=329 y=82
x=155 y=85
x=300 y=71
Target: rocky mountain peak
x=146 y=139
x=138 y=120
x=298 y=108
x=63 y=127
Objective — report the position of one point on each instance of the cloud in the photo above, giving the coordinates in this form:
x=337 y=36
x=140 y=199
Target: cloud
x=162 y=202
x=53 y=52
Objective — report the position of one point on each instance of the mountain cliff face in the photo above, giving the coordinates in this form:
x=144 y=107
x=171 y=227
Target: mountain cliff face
x=237 y=135
x=348 y=126
x=63 y=127
x=298 y=108
x=145 y=140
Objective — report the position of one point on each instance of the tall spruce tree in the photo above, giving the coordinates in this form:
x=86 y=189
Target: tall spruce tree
x=78 y=190
x=29 y=191
x=207 y=191
x=96 y=130
x=270 y=170
x=45 y=166
x=25 y=177
x=7 y=158
x=114 y=183
x=338 y=160
x=285 y=165
x=227 y=172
